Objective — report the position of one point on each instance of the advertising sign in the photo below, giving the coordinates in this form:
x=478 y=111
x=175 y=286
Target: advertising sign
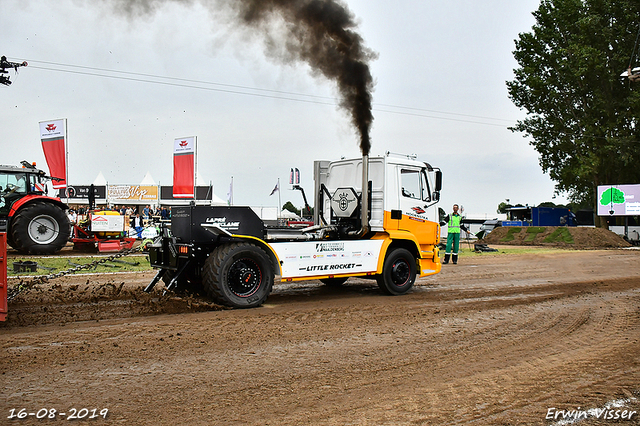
x=619 y=200
x=53 y=137
x=184 y=150
x=107 y=223
x=306 y=259
x=78 y=192
x=132 y=193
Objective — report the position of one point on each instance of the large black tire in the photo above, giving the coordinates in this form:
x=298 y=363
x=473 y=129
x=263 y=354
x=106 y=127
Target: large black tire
x=40 y=228
x=239 y=275
x=398 y=272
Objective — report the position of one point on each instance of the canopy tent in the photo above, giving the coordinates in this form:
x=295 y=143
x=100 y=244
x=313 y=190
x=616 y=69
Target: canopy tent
x=148 y=180
x=100 y=180
x=217 y=201
x=286 y=214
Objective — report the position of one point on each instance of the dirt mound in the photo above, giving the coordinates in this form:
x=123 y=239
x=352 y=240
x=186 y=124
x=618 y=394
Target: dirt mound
x=556 y=236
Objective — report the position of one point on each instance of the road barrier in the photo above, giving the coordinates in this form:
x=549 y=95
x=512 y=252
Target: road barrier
x=3 y=276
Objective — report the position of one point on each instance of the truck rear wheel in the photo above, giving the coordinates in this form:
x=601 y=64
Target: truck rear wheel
x=238 y=275
x=40 y=228
x=398 y=272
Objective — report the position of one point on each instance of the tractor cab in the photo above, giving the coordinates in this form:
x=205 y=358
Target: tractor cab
x=18 y=182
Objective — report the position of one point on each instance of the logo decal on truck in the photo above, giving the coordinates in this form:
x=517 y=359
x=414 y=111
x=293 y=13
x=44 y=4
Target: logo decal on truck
x=222 y=223
x=322 y=247
x=335 y=267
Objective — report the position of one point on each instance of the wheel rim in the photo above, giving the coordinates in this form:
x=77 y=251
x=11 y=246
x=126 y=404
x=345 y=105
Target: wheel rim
x=43 y=229
x=400 y=273
x=245 y=277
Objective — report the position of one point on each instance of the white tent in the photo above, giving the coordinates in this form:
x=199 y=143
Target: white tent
x=217 y=201
x=148 y=180
x=286 y=214
x=199 y=180
x=100 y=180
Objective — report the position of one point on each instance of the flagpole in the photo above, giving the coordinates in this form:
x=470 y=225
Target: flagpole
x=195 y=167
x=66 y=159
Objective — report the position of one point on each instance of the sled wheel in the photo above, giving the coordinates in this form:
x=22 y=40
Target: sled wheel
x=40 y=228
x=334 y=282
x=145 y=244
x=398 y=273
x=238 y=275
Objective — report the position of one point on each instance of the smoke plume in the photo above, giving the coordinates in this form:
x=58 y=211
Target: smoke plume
x=321 y=33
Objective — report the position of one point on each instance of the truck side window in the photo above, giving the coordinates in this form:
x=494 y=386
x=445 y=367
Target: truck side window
x=411 y=183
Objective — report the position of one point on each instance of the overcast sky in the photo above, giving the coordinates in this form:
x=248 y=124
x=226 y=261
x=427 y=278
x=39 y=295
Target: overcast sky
x=440 y=93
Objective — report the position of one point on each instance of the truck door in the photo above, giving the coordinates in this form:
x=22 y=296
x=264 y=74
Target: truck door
x=414 y=196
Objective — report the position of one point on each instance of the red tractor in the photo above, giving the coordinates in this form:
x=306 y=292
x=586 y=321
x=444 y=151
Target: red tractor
x=34 y=222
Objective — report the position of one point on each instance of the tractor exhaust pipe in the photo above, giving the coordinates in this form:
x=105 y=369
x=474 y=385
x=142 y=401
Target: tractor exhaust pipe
x=364 y=208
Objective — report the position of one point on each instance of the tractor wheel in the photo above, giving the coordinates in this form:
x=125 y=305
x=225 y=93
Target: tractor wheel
x=239 y=275
x=398 y=273
x=40 y=228
x=10 y=240
x=334 y=282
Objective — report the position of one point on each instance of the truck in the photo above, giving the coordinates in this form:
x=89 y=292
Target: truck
x=539 y=216
x=374 y=217
x=34 y=222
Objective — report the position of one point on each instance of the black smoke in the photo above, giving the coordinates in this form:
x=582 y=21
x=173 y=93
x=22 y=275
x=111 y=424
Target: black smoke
x=321 y=33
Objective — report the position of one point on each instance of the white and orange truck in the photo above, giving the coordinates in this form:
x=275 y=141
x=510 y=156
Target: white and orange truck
x=374 y=217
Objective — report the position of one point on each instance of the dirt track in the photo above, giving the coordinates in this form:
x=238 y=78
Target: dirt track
x=493 y=340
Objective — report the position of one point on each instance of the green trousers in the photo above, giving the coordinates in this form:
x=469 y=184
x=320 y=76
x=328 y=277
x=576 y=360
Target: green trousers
x=453 y=240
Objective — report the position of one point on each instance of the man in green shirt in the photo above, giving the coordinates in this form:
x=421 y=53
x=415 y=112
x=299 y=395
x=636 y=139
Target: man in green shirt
x=453 y=236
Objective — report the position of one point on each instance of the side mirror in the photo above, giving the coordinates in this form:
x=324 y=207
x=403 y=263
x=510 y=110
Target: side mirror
x=438 y=180
x=441 y=214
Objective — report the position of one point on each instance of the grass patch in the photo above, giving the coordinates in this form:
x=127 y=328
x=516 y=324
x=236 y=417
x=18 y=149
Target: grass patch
x=510 y=233
x=503 y=250
x=560 y=235
x=53 y=264
x=533 y=231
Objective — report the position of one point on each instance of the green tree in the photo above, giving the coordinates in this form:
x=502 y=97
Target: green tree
x=502 y=207
x=548 y=204
x=289 y=206
x=582 y=117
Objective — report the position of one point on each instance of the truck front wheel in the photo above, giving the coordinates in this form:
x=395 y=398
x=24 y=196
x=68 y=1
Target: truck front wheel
x=398 y=272
x=238 y=275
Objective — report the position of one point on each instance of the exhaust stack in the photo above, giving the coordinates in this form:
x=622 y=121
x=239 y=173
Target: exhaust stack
x=364 y=208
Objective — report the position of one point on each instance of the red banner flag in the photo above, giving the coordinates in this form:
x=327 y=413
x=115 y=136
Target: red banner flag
x=184 y=176
x=53 y=137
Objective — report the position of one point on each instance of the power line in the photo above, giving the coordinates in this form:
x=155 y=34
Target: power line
x=258 y=92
